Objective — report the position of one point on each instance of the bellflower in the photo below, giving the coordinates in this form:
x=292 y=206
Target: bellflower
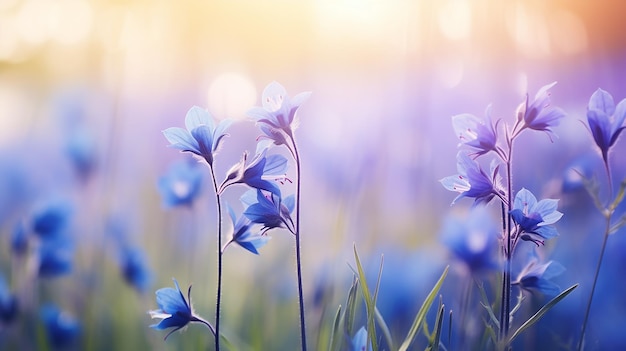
x=605 y=120
x=538 y=114
x=62 y=329
x=55 y=256
x=360 y=341
x=476 y=133
x=256 y=173
x=269 y=210
x=134 y=269
x=278 y=112
x=19 y=240
x=472 y=181
x=174 y=310
x=8 y=303
x=243 y=235
x=533 y=218
x=202 y=136
x=51 y=218
x=535 y=277
x=181 y=184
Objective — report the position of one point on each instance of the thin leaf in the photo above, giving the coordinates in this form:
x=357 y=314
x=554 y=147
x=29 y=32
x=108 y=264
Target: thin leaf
x=226 y=343
x=619 y=197
x=421 y=314
x=543 y=310
x=351 y=308
x=434 y=344
x=617 y=225
x=369 y=302
x=385 y=329
x=487 y=306
x=450 y=329
x=335 y=330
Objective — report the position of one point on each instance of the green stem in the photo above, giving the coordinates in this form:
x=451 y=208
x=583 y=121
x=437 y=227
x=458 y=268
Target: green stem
x=219 y=261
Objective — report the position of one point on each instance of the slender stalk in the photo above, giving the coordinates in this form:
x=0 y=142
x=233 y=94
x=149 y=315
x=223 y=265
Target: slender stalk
x=219 y=260
x=297 y=235
x=506 y=277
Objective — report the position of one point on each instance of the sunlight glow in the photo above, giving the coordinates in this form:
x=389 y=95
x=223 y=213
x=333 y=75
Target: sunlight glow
x=231 y=95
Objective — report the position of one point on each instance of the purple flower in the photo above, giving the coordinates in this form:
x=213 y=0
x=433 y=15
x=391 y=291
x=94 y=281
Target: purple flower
x=181 y=184
x=605 y=120
x=269 y=210
x=539 y=115
x=243 y=235
x=256 y=173
x=174 y=310
x=533 y=218
x=472 y=181
x=202 y=137
x=476 y=133
x=535 y=277
x=278 y=112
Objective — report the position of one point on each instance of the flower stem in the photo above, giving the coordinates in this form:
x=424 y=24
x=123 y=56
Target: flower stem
x=297 y=235
x=508 y=249
x=219 y=260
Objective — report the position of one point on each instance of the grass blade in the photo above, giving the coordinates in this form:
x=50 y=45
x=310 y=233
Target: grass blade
x=335 y=330
x=370 y=303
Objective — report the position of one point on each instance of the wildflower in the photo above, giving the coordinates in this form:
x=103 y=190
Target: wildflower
x=8 y=303
x=202 y=137
x=134 y=269
x=81 y=149
x=360 y=341
x=243 y=235
x=55 y=256
x=539 y=115
x=62 y=329
x=535 y=277
x=278 y=112
x=269 y=210
x=180 y=185
x=256 y=173
x=475 y=133
x=51 y=218
x=174 y=310
x=533 y=218
x=472 y=181
x=472 y=239
x=19 y=240
x=605 y=120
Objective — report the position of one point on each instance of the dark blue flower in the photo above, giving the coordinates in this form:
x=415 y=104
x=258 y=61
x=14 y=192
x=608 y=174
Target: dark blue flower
x=539 y=115
x=472 y=239
x=256 y=173
x=55 y=256
x=174 y=310
x=243 y=234
x=19 y=240
x=181 y=184
x=533 y=218
x=278 y=112
x=535 y=277
x=8 y=303
x=62 y=329
x=135 y=269
x=269 y=210
x=51 y=218
x=605 y=120
x=479 y=134
x=202 y=137
x=472 y=181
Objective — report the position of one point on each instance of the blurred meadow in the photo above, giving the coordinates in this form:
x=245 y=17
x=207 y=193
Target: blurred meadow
x=87 y=88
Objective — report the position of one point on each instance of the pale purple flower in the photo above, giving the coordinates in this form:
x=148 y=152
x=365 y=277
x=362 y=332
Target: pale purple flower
x=606 y=121
x=473 y=182
x=475 y=132
x=539 y=114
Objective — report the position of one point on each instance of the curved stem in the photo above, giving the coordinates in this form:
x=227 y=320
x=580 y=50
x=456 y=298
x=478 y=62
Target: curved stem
x=595 y=281
x=219 y=260
x=297 y=235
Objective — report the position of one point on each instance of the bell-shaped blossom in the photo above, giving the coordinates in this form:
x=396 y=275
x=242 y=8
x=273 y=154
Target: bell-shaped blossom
x=8 y=303
x=181 y=185
x=278 y=112
x=360 y=341
x=50 y=218
x=535 y=219
x=55 y=256
x=539 y=114
x=260 y=173
x=472 y=181
x=174 y=310
x=475 y=132
x=536 y=277
x=606 y=121
x=202 y=136
x=62 y=329
x=243 y=234
x=134 y=269
x=269 y=210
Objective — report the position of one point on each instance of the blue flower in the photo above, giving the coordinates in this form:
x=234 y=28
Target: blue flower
x=360 y=341
x=51 y=218
x=269 y=210
x=605 y=120
x=8 y=303
x=81 y=149
x=278 y=112
x=55 y=257
x=476 y=133
x=134 y=269
x=62 y=329
x=472 y=181
x=202 y=137
x=535 y=219
x=243 y=235
x=256 y=173
x=174 y=310
x=539 y=115
x=19 y=240
x=535 y=277
x=472 y=239
x=181 y=184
